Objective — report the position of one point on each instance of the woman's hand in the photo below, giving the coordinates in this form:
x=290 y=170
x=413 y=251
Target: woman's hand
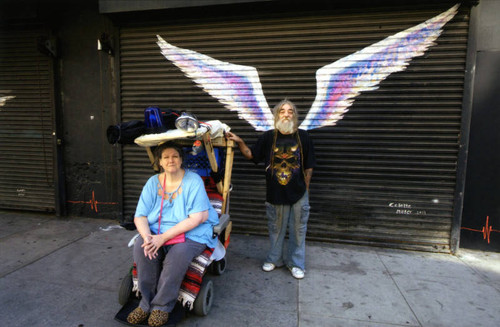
x=152 y=244
x=148 y=246
x=143 y=228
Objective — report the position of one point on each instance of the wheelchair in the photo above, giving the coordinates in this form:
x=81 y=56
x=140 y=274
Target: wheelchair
x=212 y=159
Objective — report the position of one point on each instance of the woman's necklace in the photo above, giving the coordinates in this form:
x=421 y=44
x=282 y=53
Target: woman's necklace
x=171 y=195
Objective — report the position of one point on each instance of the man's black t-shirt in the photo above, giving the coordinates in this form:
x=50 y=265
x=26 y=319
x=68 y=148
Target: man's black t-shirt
x=284 y=172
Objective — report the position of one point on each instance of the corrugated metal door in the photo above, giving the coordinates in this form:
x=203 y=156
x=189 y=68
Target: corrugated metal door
x=26 y=121
x=386 y=173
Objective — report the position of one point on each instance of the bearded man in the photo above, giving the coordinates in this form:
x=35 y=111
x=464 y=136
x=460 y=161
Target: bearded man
x=288 y=155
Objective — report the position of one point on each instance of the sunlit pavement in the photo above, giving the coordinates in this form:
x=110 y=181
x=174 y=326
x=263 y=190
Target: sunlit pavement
x=67 y=272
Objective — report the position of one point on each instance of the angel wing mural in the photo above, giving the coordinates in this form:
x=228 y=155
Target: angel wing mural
x=4 y=99
x=238 y=87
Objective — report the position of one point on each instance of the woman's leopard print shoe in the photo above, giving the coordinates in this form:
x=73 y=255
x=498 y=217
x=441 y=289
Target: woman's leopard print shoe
x=157 y=318
x=137 y=316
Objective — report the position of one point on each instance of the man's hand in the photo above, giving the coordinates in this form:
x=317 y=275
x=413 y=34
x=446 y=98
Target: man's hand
x=245 y=150
x=234 y=137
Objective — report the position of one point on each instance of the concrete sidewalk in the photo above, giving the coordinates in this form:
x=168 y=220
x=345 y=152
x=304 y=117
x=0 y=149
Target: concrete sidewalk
x=67 y=273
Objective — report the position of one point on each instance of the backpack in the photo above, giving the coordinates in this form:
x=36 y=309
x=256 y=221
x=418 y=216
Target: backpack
x=125 y=133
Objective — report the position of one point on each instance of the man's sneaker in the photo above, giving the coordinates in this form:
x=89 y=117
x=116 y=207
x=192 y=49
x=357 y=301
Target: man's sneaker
x=267 y=266
x=297 y=272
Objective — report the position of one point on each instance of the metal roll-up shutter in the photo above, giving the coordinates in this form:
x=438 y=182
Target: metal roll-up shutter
x=386 y=172
x=26 y=121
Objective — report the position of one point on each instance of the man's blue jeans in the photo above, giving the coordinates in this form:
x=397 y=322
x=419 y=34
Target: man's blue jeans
x=281 y=216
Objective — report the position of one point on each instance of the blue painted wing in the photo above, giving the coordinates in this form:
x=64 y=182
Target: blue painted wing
x=340 y=82
x=237 y=87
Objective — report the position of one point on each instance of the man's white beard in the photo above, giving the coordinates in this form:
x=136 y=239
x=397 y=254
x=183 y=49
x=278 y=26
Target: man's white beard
x=285 y=126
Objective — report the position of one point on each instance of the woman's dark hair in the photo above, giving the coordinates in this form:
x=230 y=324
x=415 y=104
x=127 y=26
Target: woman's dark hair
x=162 y=147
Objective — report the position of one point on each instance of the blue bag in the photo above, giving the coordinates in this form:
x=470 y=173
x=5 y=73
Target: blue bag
x=153 y=120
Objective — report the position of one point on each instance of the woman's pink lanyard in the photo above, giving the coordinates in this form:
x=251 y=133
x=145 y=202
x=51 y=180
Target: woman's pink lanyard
x=161 y=205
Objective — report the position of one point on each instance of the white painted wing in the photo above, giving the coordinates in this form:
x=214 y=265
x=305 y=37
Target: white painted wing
x=4 y=99
x=340 y=82
x=237 y=87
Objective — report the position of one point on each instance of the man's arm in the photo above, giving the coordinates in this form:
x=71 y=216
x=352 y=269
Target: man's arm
x=307 y=176
x=245 y=150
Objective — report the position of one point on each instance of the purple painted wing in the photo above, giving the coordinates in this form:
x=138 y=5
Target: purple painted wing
x=340 y=82
x=237 y=87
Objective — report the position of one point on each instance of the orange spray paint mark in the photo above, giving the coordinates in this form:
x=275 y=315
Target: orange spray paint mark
x=486 y=230
x=93 y=202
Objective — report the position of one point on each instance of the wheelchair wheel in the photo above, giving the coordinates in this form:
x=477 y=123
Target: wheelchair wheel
x=203 y=302
x=125 y=289
x=219 y=267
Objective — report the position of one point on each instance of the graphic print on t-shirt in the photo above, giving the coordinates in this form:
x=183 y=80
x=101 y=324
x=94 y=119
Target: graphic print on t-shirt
x=286 y=161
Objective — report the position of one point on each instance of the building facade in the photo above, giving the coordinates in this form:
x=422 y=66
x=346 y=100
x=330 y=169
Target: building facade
x=392 y=172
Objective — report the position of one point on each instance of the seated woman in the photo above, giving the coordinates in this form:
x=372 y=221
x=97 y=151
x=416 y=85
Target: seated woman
x=172 y=204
